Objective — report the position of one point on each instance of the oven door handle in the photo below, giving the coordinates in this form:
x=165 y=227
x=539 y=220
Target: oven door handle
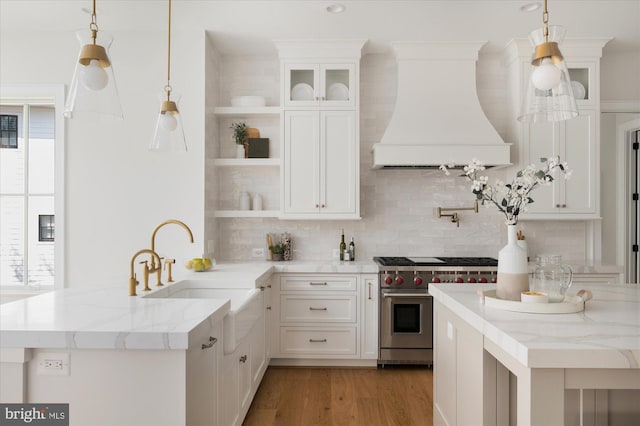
x=390 y=294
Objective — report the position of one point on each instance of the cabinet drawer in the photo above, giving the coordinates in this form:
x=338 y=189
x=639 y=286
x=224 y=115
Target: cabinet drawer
x=318 y=341
x=318 y=282
x=302 y=308
x=595 y=279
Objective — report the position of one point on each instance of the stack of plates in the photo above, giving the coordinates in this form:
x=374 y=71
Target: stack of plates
x=579 y=92
x=338 y=92
x=302 y=92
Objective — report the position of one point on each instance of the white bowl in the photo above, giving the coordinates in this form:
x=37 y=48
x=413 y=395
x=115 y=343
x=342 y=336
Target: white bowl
x=533 y=297
x=248 y=101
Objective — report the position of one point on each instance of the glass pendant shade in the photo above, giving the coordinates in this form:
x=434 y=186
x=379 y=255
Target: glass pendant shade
x=169 y=134
x=93 y=92
x=549 y=96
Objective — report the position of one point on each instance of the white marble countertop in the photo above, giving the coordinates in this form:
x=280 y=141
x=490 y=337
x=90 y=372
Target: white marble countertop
x=605 y=335
x=106 y=317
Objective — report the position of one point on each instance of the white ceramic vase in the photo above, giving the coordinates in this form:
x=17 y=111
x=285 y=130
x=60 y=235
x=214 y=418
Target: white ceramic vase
x=513 y=272
x=239 y=151
x=245 y=201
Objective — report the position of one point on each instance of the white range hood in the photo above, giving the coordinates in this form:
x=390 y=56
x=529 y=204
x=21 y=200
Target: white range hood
x=438 y=118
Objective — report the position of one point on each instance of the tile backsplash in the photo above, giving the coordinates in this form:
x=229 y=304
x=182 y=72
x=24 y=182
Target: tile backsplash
x=396 y=205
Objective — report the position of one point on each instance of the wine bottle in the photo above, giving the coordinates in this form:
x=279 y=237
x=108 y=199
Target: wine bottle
x=343 y=246
x=352 y=250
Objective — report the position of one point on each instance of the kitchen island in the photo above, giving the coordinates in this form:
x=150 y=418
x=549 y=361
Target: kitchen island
x=149 y=360
x=500 y=367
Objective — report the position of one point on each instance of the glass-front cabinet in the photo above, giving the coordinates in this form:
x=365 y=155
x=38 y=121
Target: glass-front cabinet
x=325 y=85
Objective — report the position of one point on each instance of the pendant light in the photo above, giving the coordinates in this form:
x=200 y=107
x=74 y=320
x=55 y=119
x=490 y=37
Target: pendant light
x=93 y=92
x=549 y=96
x=169 y=134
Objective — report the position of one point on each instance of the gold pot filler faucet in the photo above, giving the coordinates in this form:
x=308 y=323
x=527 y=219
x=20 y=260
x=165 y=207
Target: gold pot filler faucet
x=151 y=266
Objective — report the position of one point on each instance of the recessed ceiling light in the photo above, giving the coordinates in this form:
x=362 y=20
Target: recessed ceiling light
x=336 y=8
x=530 y=7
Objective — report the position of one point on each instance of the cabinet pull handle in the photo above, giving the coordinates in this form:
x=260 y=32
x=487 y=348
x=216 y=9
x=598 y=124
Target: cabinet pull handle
x=212 y=341
x=317 y=309
x=268 y=285
x=317 y=205
x=262 y=288
x=564 y=206
x=317 y=283
x=369 y=291
x=557 y=206
x=323 y=206
x=317 y=340
x=268 y=308
x=243 y=359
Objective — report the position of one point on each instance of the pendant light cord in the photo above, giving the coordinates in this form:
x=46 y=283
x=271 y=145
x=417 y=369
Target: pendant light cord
x=167 y=88
x=93 y=26
x=545 y=21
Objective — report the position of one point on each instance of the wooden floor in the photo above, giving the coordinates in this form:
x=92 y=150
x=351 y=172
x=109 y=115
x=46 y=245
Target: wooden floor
x=343 y=396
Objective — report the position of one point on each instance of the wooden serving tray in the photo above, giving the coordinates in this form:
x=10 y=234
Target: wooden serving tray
x=571 y=304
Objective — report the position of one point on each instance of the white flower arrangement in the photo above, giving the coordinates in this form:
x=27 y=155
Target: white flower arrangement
x=512 y=198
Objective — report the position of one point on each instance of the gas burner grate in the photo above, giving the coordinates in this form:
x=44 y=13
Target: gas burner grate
x=437 y=261
x=393 y=261
x=469 y=261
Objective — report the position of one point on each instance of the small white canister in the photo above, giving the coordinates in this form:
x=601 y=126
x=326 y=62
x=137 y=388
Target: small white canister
x=245 y=201
x=257 y=202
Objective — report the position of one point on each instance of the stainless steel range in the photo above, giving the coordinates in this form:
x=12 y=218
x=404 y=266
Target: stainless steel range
x=406 y=307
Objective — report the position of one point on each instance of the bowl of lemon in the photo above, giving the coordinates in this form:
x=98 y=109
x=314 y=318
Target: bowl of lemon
x=200 y=264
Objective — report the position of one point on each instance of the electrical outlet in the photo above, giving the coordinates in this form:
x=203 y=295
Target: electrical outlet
x=55 y=364
x=335 y=254
x=52 y=364
x=257 y=252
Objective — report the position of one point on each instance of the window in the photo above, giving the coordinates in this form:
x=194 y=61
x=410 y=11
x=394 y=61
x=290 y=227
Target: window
x=31 y=188
x=46 y=228
x=8 y=131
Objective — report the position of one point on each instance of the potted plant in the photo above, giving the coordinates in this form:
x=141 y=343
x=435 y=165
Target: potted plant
x=240 y=138
x=277 y=250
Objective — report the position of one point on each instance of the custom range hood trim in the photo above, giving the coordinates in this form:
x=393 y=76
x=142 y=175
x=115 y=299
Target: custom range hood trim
x=438 y=118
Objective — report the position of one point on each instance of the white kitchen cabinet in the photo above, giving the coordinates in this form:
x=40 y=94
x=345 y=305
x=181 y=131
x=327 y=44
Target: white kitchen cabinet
x=594 y=278
x=328 y=85
x=321 y=165
x=244 y=369
x=203 y=365
x=458 y=370
x=576 y=141
x=320 y=175
x=317 y=316
x=369 y=318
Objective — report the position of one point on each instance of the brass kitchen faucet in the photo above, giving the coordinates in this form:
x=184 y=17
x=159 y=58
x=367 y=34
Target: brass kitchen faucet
x=158 y=268
x=133 y=282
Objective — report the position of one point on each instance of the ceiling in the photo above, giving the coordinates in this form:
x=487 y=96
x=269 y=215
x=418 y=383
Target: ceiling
x=248 y=26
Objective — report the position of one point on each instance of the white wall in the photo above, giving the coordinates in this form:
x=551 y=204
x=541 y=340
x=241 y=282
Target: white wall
x=116 y=190
x=620 y=75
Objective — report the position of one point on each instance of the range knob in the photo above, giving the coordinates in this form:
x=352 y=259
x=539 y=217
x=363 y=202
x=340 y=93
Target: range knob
x=473 y=280
x=388 y=280
x=435 y=280
x=459 y=280
x=399 y=280
x=483 y=280
x=417 y=280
